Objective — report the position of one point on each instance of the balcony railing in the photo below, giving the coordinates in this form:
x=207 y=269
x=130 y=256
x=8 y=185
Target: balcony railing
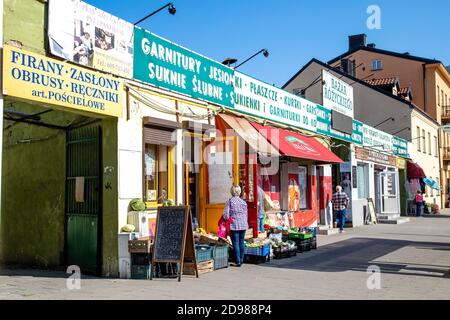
x=446 y=111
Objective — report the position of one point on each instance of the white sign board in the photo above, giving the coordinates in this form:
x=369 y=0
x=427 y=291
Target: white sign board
x=377 y=139
x=265 y=101
x=220 y=168
x=86 y=35
x=337 y=94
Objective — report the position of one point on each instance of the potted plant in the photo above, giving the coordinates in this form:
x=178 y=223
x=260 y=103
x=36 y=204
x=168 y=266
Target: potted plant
x=436 y=209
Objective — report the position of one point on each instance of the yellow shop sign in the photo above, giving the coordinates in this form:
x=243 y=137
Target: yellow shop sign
x=35 y=77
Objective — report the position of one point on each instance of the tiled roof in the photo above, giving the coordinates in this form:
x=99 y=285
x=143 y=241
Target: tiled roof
x=382 y=82
x=405 y=93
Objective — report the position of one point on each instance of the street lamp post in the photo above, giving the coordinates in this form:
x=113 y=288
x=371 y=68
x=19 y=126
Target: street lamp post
x=172 y=11
x=229 y=61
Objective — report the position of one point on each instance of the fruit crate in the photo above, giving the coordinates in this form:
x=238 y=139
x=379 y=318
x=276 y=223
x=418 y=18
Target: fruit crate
x=220 y=257
x=141 y=272
x=202 y=268
x=203 y=253
x=258 y=251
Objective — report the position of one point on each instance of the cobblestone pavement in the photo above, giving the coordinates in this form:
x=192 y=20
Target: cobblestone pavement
x=414 y=259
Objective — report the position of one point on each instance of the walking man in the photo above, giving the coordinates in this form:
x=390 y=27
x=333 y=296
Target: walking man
x=340 y=203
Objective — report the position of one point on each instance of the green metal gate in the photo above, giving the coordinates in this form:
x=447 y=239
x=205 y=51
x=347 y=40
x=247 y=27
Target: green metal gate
x=83 y=215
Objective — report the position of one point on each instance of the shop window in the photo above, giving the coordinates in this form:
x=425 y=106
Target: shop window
x=362 y=179
x=298 y=189
x=156 y=173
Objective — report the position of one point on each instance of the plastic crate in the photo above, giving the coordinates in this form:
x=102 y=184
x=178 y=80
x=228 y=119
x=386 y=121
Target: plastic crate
x=203 y=253
x=258 y=251
x=313 y=243
x=220 y=257
x=293 y=236
x=304 y=245
x=249 y=258
x=141 y=272
x=141 y=259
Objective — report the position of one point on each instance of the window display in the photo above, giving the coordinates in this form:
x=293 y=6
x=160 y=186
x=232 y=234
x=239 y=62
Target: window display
x=303 y=187
x=156 y=172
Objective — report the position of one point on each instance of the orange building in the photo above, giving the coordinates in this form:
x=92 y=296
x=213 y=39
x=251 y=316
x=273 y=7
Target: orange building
x=425 y=82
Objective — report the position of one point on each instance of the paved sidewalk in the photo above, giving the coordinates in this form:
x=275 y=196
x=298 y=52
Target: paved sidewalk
x=414 y=259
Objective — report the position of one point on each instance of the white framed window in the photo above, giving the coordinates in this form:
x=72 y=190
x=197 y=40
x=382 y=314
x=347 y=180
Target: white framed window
x=377 y=65
x=362 y=178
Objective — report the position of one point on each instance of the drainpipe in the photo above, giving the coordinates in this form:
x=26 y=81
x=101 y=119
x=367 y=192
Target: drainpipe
x=424 y=79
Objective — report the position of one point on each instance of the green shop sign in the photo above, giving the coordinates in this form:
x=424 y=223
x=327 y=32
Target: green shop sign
x=166 y=65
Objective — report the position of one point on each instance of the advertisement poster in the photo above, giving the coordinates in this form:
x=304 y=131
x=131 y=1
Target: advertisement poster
x=294 y=190
x=86 y=35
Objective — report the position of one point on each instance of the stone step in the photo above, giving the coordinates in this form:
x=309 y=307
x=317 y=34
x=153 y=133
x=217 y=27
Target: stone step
x=388 y=216
x=394 y=221
x=326 y=231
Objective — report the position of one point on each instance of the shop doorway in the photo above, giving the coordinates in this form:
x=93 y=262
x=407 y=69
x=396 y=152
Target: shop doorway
x=377 y=173
x=389 y=194
x=83 y=198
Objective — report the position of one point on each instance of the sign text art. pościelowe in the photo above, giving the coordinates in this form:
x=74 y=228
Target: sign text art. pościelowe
x=34 y=77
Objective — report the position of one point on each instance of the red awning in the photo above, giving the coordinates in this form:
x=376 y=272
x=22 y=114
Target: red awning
x=414 y=171
x=293 y=144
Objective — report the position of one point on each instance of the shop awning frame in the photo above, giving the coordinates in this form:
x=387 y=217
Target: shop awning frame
x=431 y=183
x=257 y=142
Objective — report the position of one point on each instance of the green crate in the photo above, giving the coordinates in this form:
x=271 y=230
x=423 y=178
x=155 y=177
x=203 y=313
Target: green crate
x=300 y=235
x=141 y=272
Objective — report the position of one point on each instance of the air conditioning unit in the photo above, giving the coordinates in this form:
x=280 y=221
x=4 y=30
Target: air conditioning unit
x=139 y=219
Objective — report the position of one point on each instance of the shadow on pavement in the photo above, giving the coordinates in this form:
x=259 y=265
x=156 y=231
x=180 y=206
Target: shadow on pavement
x=357 y=254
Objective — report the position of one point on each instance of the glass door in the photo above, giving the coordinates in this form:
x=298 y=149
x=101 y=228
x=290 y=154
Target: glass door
x=389 y=192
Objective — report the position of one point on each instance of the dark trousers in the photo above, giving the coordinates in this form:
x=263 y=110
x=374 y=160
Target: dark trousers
x=419 y=207
x=237 y=238
x=340 y=218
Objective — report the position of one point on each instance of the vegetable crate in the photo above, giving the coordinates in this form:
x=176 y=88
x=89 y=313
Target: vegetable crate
x=202 y=268
x=203 y=253
x=220 y=257
x=279 y=253
x=258 y=251
x=304 y=245
x=141 y=272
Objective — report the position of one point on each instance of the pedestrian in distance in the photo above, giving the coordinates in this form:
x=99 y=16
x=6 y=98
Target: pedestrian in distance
x=340 y=202
x=419 y=203
x=236 y=209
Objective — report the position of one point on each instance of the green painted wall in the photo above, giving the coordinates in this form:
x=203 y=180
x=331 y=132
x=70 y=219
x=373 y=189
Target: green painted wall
x=403 y=195
x=33 y=176
x=25 y=21
x=33 y=184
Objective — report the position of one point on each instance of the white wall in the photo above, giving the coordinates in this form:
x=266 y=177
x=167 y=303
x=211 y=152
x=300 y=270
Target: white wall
x=429 y=163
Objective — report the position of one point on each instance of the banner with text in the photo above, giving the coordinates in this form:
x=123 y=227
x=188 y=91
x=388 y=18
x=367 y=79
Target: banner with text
x=88 y=36
x=166 y=65
x=34 y=77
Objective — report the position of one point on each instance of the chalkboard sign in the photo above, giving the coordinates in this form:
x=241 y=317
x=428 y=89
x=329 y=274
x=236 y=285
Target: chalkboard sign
x=371 y=216
x=174 y=241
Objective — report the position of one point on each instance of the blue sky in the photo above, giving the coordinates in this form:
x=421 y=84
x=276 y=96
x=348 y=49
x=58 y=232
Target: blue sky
x=294 y=31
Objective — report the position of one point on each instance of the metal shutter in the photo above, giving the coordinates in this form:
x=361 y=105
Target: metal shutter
x=155 y=135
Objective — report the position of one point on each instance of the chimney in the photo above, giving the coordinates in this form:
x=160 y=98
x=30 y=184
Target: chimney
x=356 y=41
